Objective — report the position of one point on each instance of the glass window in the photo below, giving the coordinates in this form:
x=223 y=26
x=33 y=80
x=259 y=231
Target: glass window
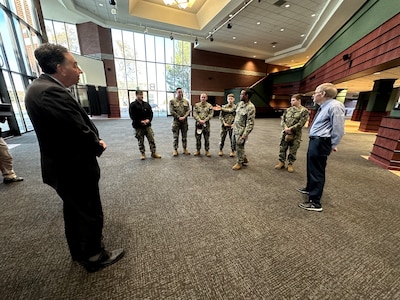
x=131 y=74
x=10 y=59
x=142 y=75
x=72 y=37
x=120 y=73
x=140 y=70
x=140 y=46
x=169 y=51
x=118 y=44
x=129 y=49
x=60 y=34
x=151 y=76
x=160 y=53
x=150 y=50
x=160 y=69
x=18 y=101
x=50 y=31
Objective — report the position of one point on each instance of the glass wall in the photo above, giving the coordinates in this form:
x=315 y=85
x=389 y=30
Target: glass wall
x=20 y=35
x=154 y=64
x=63 y=34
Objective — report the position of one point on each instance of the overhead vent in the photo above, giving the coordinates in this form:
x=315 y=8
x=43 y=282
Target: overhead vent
x=280 y=2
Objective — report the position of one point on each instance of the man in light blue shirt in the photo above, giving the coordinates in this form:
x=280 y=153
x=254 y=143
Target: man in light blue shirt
x=327 y=129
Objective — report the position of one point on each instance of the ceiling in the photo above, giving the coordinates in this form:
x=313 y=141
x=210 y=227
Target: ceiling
x=261 y=29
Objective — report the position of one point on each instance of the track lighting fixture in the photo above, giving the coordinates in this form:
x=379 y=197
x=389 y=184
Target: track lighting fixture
x=171 y=36
x=196 y=41
x=229 y=26
x=112 y=2
x=211 y=38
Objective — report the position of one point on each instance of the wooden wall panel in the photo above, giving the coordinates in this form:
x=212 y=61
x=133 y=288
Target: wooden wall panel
x=381 y=46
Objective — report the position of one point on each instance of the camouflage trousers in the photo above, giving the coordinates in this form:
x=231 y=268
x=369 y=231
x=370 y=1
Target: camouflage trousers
x=183 y=127
x=224 y=132
x=288 y=150
x=149 y=134
x=206 y=133
x=240 y=153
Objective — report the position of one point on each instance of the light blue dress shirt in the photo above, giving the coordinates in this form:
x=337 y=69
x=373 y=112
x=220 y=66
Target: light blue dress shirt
x=329 y=121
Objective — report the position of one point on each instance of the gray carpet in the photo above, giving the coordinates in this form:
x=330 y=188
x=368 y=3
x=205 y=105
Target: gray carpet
x=193 y=228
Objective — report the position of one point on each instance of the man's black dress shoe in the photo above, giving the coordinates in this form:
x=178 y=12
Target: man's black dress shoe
x=11 y=180
x=106 y=258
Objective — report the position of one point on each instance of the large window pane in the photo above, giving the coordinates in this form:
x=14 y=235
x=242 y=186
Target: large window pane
x=120 y=73
x=72 y=36
x=150 y=50
x=131 y=74
x=60 y=34
x=160 y=53
x=160 y=69
x=50 y=31
x=142 y=75
x=139 y=46
x=129 y=49
x=118 y=44
x=151 y=76
x=169 y=51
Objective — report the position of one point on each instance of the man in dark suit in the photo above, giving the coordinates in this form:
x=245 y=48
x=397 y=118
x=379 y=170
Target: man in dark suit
x=69 y=144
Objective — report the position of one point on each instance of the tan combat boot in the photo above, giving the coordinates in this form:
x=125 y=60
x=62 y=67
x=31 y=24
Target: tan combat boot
x=142 y=156
x=290 y=168
x=175 y=153
x=237 y=166
x=186 y=152
x=196 y=153
x=155 y=155
x=232 y=154
x=208 y=154
x=245 y=160
x=279 y=166
x=220 y=153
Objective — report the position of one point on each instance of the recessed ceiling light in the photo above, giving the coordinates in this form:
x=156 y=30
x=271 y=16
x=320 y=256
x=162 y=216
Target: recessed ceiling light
x=377 y=73
x=234 y=37
x=254 y=56
x=287 y=5
x=303 y=35
x=273 y=46
x=101 y=4
x=313 y=15
x=255 y=42
x=258 y=23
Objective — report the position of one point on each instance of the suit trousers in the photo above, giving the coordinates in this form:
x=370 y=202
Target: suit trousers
x=83 y=214
x=317 y=155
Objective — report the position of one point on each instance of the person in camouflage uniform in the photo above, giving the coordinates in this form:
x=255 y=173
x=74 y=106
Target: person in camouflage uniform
x=292 y=122
x=202 y=113
x=243 y=125
x=227 y=116
x=179 y=108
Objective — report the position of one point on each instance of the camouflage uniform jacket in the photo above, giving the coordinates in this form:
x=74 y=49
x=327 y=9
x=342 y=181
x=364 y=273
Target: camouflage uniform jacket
x=179 y=108
x=295 y=118
x=227 y=114
x=203 y=112
x=244 y=118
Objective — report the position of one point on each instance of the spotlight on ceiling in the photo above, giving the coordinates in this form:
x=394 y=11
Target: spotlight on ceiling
x=112 y=2
x=211 y=38
x=229 y=26
x=171 y=36
x=196 y=41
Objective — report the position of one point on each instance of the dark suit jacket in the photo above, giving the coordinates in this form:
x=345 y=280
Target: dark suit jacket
x=68 y=139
